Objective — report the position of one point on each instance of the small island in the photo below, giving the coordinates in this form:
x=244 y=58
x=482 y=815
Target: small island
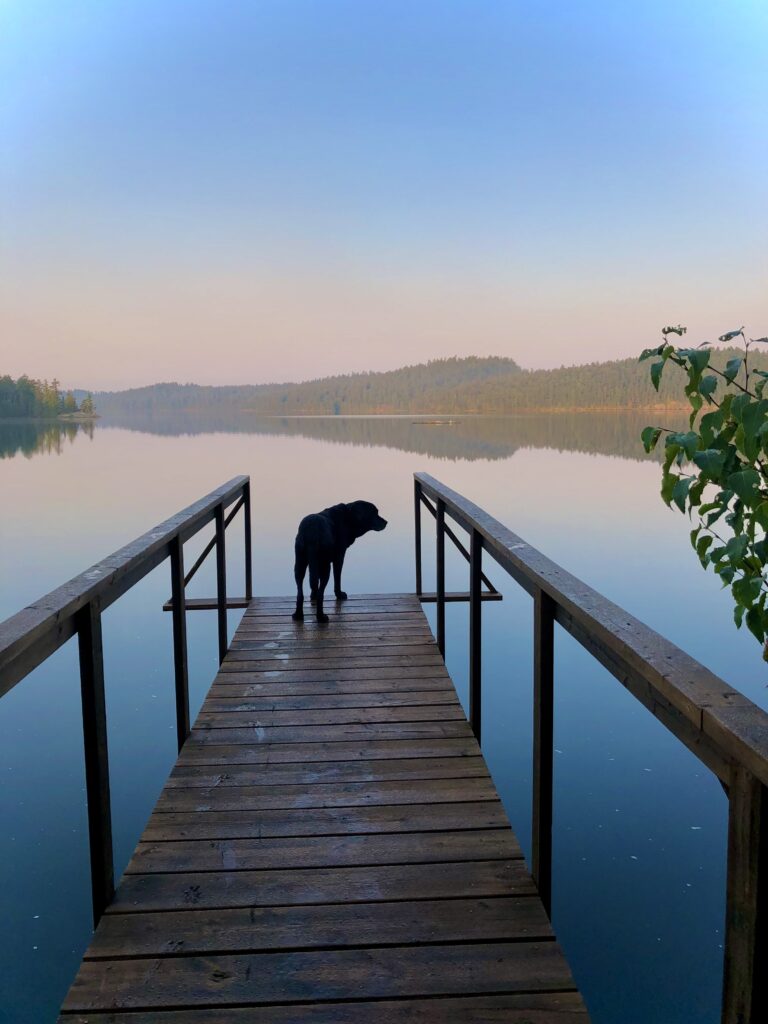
x=25 y=398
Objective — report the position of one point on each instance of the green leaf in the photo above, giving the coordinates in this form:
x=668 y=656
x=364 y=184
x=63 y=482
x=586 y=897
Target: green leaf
x=710 y=461
x=747 y=589
x=755 y=622
x=656 y=371
x=730 y=335
x=736 y=548
x=702 y=546
x=711 y=423
x=732 y=367
x=761 y=514
x=680 y=491
x=708 y=385
x=746 y=484
x=696 y=403
x=696 y=491
x=699 y=359
x=668 y=482
x=650 y=437
x=674 y=330
x=648 y=352
x=738 y=615
x=716 y=555
x=689 y=442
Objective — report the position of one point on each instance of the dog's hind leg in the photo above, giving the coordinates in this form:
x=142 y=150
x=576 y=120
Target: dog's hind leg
x=322 y=582
x=299 y=569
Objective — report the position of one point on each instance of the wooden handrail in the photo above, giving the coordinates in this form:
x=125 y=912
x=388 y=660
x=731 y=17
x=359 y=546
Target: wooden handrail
x=720 y=725
x=33 y=634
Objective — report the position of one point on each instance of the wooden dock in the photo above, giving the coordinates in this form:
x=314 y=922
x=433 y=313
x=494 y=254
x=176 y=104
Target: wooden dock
x=329 y=848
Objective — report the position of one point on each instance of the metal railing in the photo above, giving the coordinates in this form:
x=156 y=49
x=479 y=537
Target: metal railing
x=722 y=727
x=28 y=638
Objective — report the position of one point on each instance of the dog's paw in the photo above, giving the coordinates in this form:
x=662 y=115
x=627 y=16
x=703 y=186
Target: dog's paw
x=340 y=595
x=298 y=616
x=322 y=618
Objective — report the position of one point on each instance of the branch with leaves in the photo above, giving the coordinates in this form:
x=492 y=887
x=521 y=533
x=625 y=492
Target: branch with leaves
x=718 y=468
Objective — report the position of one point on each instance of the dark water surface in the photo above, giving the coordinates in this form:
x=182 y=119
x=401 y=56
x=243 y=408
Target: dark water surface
x=640 y=826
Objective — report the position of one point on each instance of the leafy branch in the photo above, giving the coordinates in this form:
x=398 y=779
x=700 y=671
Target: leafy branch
x=718 y=468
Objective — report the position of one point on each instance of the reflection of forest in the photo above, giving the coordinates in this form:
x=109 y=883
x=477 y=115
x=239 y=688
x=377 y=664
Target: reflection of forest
x=29 y=438
x=471 y=437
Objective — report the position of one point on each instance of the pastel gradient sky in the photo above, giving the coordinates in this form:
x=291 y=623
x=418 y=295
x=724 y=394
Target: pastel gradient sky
x=250 y=190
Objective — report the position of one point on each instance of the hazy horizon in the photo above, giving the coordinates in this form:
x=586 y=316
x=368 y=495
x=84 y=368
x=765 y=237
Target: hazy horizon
x=284 y=191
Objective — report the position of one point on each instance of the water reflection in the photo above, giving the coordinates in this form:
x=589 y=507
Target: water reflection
x=442 y=437
x=30 y=438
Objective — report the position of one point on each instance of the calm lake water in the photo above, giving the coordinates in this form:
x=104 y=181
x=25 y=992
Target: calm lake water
x=640 y=826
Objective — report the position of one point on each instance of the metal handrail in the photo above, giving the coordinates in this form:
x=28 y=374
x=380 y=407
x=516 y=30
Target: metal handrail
x=31 y=636
x=722 y=727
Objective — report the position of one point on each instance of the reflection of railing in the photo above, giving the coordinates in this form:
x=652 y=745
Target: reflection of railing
x=719 y=725
x=31 y=636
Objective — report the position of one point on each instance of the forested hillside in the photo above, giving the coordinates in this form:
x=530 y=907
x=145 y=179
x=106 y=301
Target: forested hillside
x=405 y=390
x=442 y=387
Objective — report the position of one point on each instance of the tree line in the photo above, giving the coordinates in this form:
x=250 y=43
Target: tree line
x=39 y=399
x=475 y=385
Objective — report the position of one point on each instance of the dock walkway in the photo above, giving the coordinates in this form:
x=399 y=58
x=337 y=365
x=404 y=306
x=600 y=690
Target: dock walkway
x=329 y=848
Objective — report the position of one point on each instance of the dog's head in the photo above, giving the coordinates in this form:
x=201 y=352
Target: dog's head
x=364 y=517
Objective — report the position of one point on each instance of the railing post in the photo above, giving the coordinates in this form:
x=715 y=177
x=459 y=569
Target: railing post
x=417 y=533
x=96 y=757
x=221 y=581
x=440 y=583
x=475 y=633
x=178 y=600
x=543 y=725
x=745 y=983
x=248 y=555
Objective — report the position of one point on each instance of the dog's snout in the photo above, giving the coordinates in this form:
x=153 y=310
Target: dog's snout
x=381 y=523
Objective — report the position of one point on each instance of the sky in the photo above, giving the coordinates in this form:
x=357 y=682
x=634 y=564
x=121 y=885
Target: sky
x=260 y=190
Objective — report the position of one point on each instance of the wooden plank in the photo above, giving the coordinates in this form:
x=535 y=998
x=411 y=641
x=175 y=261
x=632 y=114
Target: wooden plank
x=241 y=684
x=199 y=932
x=243 y=650
x=415 y=769
x=286 y=753
x=329 y=733
x=345 y=794
x=415 y=673
x=325 y=821
x=359 y=885
x=393 y=698
x=341 y=615
x=341 y=624
x=243 y=642
x=528 y=1008
x=321 y=851
x=264 y=978
x=285 y=663
x=328 y=716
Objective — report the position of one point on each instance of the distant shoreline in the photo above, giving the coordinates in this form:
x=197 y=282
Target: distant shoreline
x=65 y=417
x=446 y=416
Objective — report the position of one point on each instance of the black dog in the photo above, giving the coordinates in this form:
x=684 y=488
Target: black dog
x=322 y=541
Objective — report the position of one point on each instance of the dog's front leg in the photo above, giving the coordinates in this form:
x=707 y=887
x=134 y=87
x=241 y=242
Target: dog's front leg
x=338 y=564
